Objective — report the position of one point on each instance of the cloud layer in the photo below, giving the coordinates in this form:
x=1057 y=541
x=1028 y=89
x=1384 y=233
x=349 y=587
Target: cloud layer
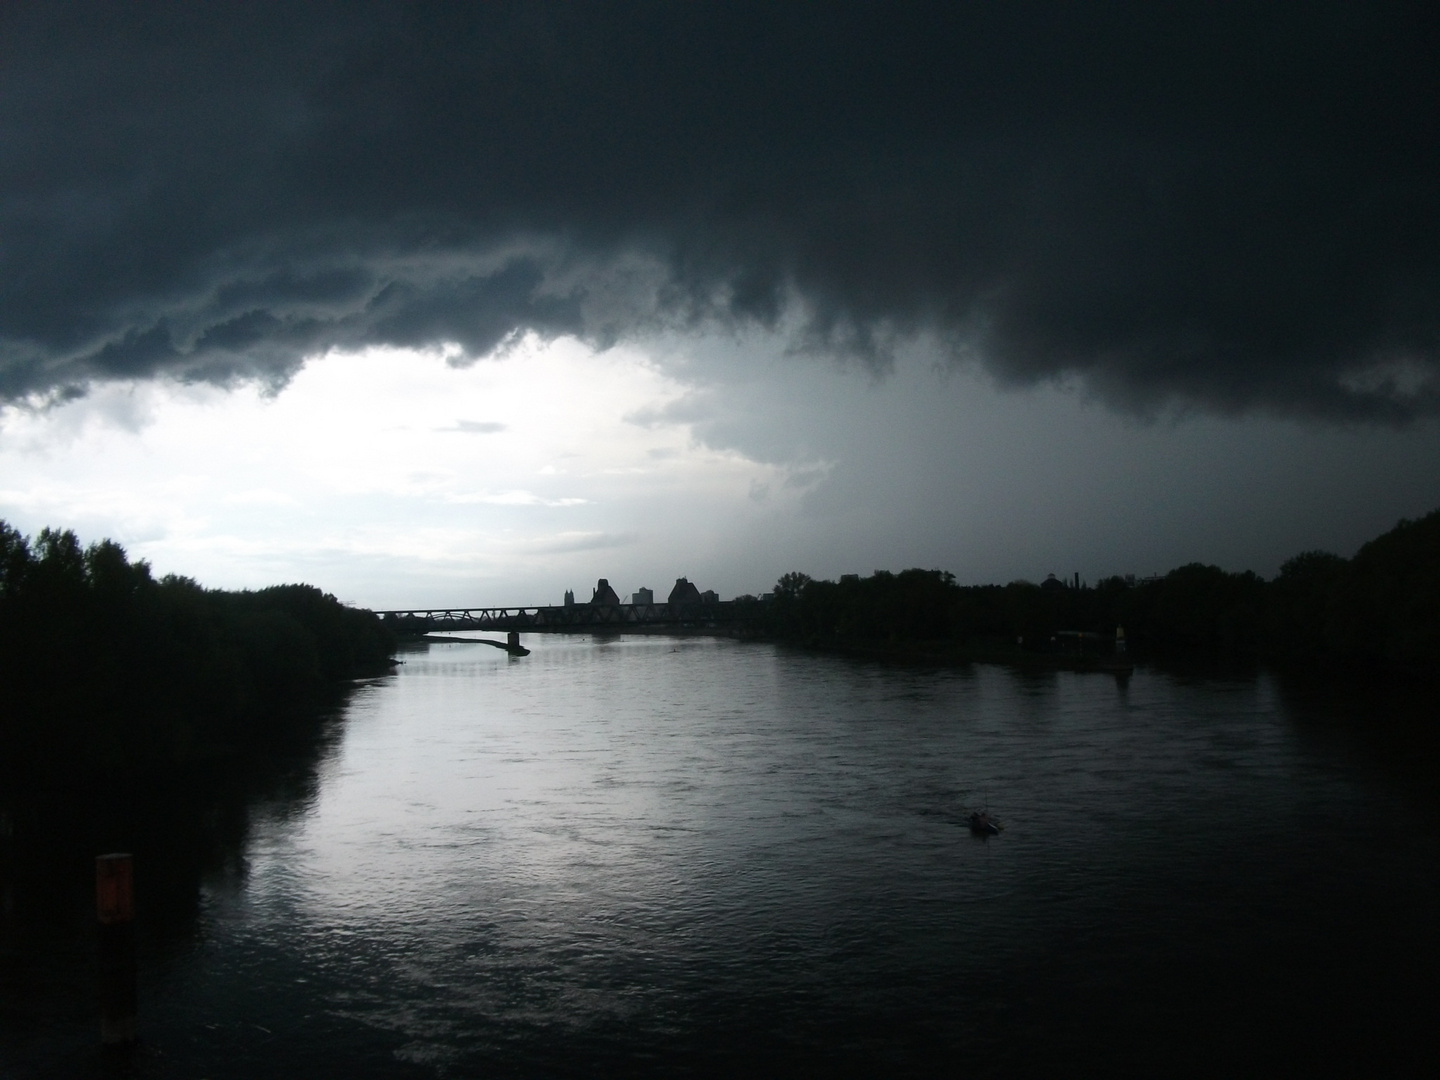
x=1225 y=207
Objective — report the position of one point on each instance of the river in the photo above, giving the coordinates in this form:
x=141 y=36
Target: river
x=692 y=856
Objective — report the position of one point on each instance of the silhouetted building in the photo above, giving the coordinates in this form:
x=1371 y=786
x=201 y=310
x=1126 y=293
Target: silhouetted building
x=643 y=596
x=605 y=595
x=569 y=597
x=684 y=593
x=1052 y=583
x=709 y=596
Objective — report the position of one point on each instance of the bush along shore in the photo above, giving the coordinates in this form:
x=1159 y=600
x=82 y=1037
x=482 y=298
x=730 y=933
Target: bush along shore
x=133 y=709
x=1378 y=612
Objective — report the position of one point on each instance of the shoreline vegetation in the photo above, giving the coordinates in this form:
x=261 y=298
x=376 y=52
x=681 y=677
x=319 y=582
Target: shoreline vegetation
x=1376 y=613
x=148 y=715
x=159 y=671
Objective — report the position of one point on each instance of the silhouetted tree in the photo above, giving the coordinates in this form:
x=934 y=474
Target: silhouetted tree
x=1380 y=609
x=101 y=665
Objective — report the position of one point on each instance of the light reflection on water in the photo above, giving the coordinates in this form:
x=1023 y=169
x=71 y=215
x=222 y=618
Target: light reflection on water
x=654 y=855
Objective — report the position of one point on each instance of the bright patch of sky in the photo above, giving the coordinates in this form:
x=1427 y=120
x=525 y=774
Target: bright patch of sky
x=395 y=478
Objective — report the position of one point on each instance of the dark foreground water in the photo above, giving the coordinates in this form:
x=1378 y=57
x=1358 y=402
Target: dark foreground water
x=657 y=856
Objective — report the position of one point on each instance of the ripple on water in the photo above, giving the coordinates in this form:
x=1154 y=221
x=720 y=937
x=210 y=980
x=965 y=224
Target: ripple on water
x=657 y=856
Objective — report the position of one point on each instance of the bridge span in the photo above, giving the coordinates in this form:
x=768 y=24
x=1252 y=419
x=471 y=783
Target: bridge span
x=574 y=618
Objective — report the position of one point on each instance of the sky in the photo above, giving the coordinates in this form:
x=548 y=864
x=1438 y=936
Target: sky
x=470 y=304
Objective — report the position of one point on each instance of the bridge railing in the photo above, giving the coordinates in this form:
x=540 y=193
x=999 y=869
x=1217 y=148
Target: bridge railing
x=574 y=617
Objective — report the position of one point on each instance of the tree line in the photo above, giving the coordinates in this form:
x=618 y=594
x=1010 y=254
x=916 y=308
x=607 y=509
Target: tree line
x=148 y=715
x=102 y=666
x=1379 y=609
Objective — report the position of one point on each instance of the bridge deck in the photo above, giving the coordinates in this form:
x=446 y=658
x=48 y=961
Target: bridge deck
x=575 y=617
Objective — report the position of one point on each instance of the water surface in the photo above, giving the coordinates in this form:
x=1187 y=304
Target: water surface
x=662 y=856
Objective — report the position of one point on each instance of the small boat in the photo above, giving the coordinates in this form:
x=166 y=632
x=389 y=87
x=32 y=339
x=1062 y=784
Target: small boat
x=982 y=824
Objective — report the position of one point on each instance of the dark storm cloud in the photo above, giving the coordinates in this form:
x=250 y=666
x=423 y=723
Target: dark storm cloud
x=1224 y=206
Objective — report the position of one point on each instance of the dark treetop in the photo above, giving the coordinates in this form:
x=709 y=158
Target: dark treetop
x=1378 y=611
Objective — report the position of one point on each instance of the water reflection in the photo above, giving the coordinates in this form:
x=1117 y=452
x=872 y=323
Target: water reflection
x=1390 y=729
x=644 y=855
x=185 y=828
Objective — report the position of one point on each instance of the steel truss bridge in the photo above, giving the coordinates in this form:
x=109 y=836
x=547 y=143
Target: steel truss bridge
x=574 y=618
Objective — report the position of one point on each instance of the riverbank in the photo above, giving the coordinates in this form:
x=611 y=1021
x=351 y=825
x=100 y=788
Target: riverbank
x=1378 y=611
x=142 y=715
